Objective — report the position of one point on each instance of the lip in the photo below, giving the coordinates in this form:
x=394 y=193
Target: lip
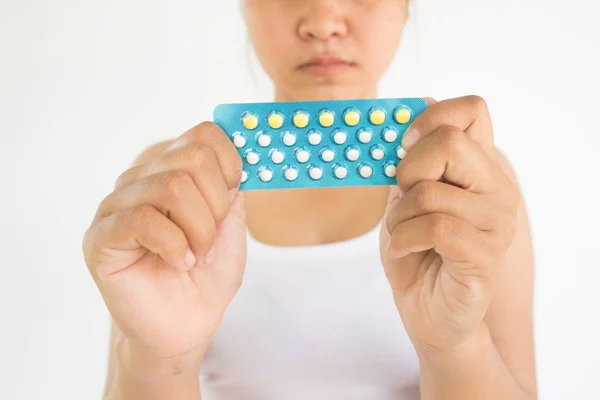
x=326 y=66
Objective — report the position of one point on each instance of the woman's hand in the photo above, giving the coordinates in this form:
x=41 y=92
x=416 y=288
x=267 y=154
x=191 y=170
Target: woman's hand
x=167 y=248
x=448 y=225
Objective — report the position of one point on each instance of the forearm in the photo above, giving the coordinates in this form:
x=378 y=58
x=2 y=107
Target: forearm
x=134 y=375
x=476 y=371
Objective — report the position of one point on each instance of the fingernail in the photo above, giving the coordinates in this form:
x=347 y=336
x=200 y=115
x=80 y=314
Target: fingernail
x=410 y=138
x=190 y=259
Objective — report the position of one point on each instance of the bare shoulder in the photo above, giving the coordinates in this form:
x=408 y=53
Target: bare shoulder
x=151 y=152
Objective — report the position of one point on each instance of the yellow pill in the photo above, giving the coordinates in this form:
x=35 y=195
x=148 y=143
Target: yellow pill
x=377 y=117
x=300 y=120
x=352 y=118
x=326 y=119
x=403 y=116
x=276 y=120
x=250 y=121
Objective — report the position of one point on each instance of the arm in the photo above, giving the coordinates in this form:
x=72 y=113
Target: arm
x=136 y=375
x=132 y=375
x=500 y=362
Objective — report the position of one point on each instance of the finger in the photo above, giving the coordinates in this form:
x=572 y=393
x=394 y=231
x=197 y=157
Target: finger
x=198 y=161
x=211 y=135
x=427 y=197
x=175 y=195
x=142 y=227
x=450 y=155
x=470 y=114
x=451 y=237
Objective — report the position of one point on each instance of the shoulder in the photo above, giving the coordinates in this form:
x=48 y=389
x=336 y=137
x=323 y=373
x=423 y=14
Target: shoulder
x=149 y=153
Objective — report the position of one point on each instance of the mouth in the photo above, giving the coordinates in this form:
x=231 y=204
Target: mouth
x=326 y=66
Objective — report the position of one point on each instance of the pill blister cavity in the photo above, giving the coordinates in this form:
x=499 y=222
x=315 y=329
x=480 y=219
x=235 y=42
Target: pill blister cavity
x=249 y=120
x=327 y=154
x=244 y=176
x=239 y=141
x=402 y=115
x=390 y=135
x=389 y=169
x=289 y=139
x=314 y=137
x=301 y=119
x=352 y=153
x=265 y=174
x=264 y=139
x=377 y=152
x=352 y=117
x=315 y=172
x=339 y=137
x=377 y=116
x=290 y=173
x=326 y=118
x=400 y=152
x=252 y=158
x=277 y=156
x=340 y=171
x=364 y=135
x=302 y=155
x=365 y=170
x=275 y=120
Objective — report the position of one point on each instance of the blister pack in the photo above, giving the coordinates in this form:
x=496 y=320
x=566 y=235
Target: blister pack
x=286 y=145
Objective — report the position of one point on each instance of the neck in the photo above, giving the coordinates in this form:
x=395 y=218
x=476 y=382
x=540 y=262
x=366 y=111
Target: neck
x=283 y=94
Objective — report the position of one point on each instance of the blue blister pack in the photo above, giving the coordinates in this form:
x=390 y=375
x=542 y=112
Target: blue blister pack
x=309 y=144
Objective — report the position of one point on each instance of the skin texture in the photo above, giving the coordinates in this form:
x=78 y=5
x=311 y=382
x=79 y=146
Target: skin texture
x=455 y=242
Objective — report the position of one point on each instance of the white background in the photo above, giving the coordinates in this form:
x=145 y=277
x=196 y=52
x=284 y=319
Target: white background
x=86 y=85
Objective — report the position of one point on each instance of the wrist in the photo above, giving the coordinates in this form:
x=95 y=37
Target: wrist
x=458 y=354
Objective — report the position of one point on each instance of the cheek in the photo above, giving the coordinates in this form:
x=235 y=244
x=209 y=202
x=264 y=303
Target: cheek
x=380 y=38
x=267 y=46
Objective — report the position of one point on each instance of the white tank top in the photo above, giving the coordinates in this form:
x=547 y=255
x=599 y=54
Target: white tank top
x=312 y=322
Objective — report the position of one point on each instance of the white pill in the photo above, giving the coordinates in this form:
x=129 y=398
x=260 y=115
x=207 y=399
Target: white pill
x=377 y=154
x=302 y=156
x=289 y=139
x=364 y=137
x=340 y=137
x=327 y=155
x=291 y=174
x=266 y=175
x=390 y=136
x=352 y=154
x=341 y=172
x=366 y=171
x=252 y=158
x=277 y=157
x=390 y=171
x=264 y=140
x=314 y=139
x=401 y=153
x=316 y=173
x=244 y=176
x=239 y=141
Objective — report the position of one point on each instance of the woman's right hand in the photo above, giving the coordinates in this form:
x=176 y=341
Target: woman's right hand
x=167 y=248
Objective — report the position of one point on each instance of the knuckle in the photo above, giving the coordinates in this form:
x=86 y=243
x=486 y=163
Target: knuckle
x=141 y=215
x=441 y=227
x=425 y=197
x=201 y=132
x=201 y=156
x=453 y=139
x=175 y=183
x=477 y=102
x=125 y=177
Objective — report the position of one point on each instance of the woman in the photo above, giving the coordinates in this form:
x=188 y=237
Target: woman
x=315 y=317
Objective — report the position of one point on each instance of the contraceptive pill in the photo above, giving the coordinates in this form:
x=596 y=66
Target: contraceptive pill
x=314 y=144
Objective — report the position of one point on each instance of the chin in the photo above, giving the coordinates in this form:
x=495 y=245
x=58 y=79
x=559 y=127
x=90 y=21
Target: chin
x=333 y=91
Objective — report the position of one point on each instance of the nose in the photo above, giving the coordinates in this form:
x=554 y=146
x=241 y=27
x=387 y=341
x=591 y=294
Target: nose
x=323 y=21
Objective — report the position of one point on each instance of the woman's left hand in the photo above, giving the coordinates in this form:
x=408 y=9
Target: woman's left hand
x=448 y=225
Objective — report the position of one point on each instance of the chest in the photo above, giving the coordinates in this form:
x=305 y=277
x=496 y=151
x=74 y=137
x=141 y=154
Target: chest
x=327 y=323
